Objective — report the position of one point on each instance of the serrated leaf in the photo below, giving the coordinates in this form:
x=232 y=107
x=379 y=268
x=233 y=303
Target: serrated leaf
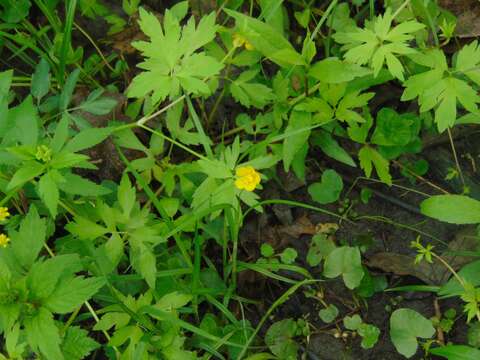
x=378 y=43
x=369 y=157
x=27 y=172
x=86 y=229
x=42 y=334
x=77 y=185
x=171 y=59
x=48 y=191
x=69 y=294
x=144 y=262
x=251 y=94
x=28 y=241
x=88 y=138
x=77 y=345
x=26 y=122
x=44 y=276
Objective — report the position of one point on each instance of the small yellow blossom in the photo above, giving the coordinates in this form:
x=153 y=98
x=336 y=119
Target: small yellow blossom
x=247 y=178
x=4 y=213
x=239 y=41
x=44 y=153
x=4 y=240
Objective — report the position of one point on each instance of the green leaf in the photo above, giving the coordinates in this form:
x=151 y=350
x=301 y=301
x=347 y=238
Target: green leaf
x=86 y=229
x=454 y=209
x=68 y=88
x=329 y=189
x=392 y=129
x=378 y=43
x=335 y=71
x=215 y=168
x=28 y=241
x=180 y=10
x=331 y=148
x=25 y=120
x=144 y=262
x=267 y=250
x=173 y=301
x=88 y=138
x=41 y=80
x=77 y=345
x=61 y=134
x=65 y=159
x=180 y=67
x=48 y=191
x=288 y=256
x=14 y=11
x=320 y=247
x=27 y=172
x=369 y=334
x=406 y=326
x=456 y=352
x=71 y=293
x=467 y=61
x=170 y=205
x=267 y=40
x=280 y=339
x=345 y=261
x=97 y=104
x=370 y=157
x=44 y=276
x=42 y=334
x=469 y=273
x=251 y=94
x=352 y=322
x=328 y=314
x=296 y=135
x=77 y=185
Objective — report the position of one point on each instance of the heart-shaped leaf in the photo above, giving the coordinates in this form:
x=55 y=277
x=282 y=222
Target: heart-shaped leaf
x=329 y=189
x=406 y=326
x=345 y=261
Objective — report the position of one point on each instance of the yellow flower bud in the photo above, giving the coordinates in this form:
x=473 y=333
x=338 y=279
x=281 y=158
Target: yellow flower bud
x=4 y=240
x=4 y=213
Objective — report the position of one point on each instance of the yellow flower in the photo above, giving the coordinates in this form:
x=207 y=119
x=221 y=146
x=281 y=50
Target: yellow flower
x=44 y=153
x=247 y=178
x=239 y=41
x=4 y=240
x=4 y=213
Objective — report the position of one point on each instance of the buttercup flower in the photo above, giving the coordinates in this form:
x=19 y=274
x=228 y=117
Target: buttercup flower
x=239 y=41
x=247 y=178
x=4 y=240
x=4 y=213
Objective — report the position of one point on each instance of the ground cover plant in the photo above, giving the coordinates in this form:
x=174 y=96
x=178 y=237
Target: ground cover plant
x=239 y=179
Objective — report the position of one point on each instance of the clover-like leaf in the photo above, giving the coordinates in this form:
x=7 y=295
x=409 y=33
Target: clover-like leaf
x=406 y=326
x=345 y=261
